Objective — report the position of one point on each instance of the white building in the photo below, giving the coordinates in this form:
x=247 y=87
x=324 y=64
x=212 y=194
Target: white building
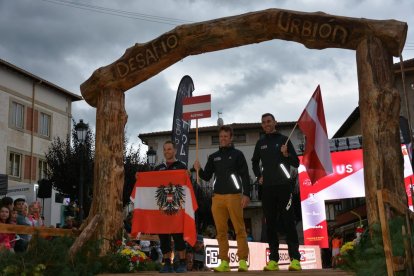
x=33 y=111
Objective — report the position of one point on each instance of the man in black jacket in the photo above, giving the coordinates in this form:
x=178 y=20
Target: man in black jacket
x=231 y=195
x=277 y=157
x=165 y=239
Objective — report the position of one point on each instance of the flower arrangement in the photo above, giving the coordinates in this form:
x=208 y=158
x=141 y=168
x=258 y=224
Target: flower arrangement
x=131 y=253
x=347 y=247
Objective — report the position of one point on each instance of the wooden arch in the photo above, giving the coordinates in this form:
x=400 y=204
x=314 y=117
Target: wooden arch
x=375 y=42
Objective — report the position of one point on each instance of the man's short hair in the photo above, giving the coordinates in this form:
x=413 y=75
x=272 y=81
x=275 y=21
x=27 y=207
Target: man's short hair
x=171 y=142
x=268 y=114
x=6 y=201
x=226 y=129
x=19 y=200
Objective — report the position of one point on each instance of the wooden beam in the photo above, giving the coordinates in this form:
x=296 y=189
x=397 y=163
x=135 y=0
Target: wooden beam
x=379 y=105
x=109 y=165
x=395 y=202
x=314 y=30
x=385 y=235
x=85 y=235
x=43 y=231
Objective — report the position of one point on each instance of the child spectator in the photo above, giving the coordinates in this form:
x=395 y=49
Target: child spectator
x=5 y=238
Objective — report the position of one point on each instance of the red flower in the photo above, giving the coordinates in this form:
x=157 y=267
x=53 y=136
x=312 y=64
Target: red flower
x=130 y=243
x=118 y=243
x=134 y=259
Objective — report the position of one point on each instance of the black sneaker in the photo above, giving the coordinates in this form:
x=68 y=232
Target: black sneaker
x=182 y=268
x=166 y=268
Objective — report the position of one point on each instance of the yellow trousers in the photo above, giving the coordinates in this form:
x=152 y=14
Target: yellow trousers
x=225 y=206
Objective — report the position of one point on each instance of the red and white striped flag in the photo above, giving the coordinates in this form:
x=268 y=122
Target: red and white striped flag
x=317 y=155
x=164 y=203
x=197 y=107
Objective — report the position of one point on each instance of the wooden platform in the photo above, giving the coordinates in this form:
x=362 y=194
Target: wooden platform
x=315 y=272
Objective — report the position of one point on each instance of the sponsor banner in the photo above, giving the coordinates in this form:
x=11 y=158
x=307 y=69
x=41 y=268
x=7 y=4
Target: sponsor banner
x=181 y=128
x=259 y=255
x=347 y=181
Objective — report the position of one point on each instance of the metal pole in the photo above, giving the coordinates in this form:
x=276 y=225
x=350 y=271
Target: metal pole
x=81 y=185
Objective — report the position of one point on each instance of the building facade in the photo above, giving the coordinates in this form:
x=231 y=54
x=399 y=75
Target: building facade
x=33 y=112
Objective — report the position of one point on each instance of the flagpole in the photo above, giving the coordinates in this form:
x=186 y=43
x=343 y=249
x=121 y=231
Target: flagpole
x=198 y=180
x=291 y=133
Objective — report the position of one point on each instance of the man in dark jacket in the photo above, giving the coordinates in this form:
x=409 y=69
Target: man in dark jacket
x=165 y=239
x=231 y=195
x=277 y=156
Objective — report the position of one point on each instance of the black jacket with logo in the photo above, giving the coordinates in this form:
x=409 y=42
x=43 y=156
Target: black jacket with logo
x=224 y=163
x=177 y=165
x=268 y=151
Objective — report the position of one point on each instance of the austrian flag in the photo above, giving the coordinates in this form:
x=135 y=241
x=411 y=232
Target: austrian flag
x=317 y=155
x=164 y=203
x=197 y=107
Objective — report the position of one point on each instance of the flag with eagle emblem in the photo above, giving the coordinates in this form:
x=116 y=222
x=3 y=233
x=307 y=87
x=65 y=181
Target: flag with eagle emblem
x=164 y=203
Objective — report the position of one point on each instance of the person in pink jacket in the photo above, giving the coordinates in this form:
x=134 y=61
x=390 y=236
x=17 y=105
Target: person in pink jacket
x=5 y=238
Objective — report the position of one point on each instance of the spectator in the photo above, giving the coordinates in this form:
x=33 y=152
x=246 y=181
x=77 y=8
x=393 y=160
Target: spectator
x=5 y=238
x=199 y=254
x=22 y=219
x=210 y=232
x=34 y=214
x=128 y=223
x=13 y=216
x=336 y=246
x=7 y=201
x=145 y=247
x=249 y=235
x=18 y=204
x=68 y=223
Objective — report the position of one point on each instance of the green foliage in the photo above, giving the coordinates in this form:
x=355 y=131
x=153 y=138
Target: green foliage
x=133 y=163
x=64 y=166
x=367 y=257
x=50 y=257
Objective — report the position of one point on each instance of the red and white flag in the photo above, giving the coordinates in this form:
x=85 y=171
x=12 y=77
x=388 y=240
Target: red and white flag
x=164 y=203
x=317 y=155
x=197 y=107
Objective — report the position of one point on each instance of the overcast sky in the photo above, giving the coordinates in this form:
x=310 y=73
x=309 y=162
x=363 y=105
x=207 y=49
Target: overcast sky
x=65 y=41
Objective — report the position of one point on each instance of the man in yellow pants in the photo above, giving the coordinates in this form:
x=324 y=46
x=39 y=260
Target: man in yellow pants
x=231 y=195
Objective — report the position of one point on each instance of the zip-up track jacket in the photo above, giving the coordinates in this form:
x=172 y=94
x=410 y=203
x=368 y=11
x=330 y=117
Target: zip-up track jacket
x=231 y=172
x=268 y=151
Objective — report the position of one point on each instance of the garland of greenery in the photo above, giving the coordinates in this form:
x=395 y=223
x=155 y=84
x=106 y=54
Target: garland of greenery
x=50 y=257
x=367 y=256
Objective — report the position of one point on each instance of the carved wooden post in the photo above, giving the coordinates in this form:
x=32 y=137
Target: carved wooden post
x=109 y=165
x=379 y=104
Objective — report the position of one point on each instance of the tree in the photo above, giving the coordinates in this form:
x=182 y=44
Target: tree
x=133 y=163
x=64 y=160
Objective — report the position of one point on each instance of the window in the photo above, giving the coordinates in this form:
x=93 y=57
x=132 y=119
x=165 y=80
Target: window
x=42 y=169
x=17 y=115
x=239 y=138
x=15 y=162
x=44 y=124
x=332 y=209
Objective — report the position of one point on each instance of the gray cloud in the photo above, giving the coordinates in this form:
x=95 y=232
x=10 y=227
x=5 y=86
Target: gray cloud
x=65 y=45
